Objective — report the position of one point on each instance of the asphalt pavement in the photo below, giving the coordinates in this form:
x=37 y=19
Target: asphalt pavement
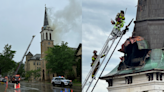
x=24 y=86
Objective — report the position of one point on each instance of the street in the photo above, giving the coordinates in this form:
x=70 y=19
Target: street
x=24 y=86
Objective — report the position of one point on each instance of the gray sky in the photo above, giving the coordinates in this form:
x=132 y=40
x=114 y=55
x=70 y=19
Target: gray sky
x=22 y=19
x=96 y=27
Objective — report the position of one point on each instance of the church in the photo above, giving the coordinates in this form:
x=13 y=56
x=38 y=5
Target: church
x=34 y=62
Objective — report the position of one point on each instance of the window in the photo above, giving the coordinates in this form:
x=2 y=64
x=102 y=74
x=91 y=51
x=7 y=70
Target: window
x=128 y=80
x=48 y=43
x=34 y=63
x=43 y=64
x=37 y=63
x=46 y=36
x=50 y=36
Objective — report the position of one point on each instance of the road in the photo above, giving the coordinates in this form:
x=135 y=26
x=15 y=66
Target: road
x=35 y=87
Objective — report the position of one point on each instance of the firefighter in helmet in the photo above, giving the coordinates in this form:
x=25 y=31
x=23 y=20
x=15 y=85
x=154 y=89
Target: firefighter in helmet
x=120 y=19
x=118 y=24
x=93 y=60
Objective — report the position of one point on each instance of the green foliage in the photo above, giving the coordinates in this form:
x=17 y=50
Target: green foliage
x=28 y=74
x=71 y=75
x=60 y=58
x=6 y=62
x=21 y=70
x=34 y=73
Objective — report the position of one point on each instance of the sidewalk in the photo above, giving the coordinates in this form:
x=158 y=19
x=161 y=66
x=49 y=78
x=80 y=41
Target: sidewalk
x=3 y=87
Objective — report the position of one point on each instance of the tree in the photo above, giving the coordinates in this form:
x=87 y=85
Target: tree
x=6 y=62
x=60 y=58
x=36 y=73
x=28 y=75
x=21 y=70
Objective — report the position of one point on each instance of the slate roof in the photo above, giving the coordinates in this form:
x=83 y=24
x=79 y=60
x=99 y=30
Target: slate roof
x=45 y=18
x=154 y=62
x=35 y=57
x=78 y=48
x=29 y=54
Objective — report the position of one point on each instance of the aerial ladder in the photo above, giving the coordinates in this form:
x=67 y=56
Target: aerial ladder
x=23 y=56
x=105 y=50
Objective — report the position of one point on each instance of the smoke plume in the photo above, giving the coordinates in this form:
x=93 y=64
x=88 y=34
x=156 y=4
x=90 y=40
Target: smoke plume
x=66 y=21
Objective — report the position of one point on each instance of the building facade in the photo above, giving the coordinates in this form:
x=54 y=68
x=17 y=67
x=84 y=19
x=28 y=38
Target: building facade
x=32 y=63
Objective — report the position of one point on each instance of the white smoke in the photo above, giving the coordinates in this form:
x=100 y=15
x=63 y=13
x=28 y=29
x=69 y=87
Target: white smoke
x=67 y=20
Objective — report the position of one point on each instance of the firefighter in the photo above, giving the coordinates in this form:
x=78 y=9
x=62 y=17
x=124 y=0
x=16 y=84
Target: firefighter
x=120 y=20
x=118 y=25
x=93 y=60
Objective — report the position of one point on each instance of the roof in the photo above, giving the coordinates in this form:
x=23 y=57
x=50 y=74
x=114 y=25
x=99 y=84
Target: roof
x=45 y=18
x=36 y=57
x=29 y=54
x=154 y=62
x=77 y=50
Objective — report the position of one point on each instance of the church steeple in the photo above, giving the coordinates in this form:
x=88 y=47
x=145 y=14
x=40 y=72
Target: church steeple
x=149 y=22
x=46 y=31
x=45 y=18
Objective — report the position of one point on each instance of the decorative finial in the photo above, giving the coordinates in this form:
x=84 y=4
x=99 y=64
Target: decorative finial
x=45 y=5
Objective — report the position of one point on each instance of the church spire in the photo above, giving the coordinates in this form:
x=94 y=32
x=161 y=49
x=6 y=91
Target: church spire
x=45 y=18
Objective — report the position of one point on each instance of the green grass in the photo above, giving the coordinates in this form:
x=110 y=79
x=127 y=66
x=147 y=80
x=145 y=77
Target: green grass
x=76 y=83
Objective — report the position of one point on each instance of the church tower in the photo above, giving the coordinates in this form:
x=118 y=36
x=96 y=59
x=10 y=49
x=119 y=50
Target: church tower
x=148 y=77
x=149 y=22
x=46 y=42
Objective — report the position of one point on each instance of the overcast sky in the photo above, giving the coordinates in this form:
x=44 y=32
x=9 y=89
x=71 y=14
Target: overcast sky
x=96 y=26
x=20 y=19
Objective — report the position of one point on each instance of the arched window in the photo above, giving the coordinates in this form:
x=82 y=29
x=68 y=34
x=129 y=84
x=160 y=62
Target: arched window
x=50 y=36
x=46 y=36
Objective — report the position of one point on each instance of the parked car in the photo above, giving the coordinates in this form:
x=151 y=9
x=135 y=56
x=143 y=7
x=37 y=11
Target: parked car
x=4 y=80
x=61 y=81
x=16 y=79
x=1 y=79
